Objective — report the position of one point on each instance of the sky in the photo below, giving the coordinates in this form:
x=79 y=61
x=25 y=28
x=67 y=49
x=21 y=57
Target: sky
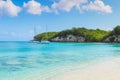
x=18 y=18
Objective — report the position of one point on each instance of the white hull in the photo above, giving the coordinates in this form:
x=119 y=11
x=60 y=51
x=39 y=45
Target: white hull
x=45 y=42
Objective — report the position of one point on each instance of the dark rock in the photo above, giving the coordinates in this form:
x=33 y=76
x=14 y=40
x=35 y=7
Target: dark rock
x=113 y=38
x=69 y=38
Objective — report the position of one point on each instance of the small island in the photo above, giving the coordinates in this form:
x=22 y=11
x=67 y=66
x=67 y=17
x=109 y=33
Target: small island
x=81 y=35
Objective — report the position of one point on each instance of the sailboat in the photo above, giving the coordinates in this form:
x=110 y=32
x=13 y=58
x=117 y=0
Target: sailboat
x=34 y=35
x=46 y=40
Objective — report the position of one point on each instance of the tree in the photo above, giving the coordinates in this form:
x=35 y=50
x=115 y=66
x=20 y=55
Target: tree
x=116 y=30
x=89 y=34
x=44 y=36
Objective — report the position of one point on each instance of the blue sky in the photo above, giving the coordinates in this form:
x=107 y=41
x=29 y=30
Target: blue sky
x=19 y=17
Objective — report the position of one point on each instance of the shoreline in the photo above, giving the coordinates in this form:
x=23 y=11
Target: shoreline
x=82 y=42
x=106 y=69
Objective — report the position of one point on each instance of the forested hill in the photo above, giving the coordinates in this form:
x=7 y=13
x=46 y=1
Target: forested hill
x=79 y=35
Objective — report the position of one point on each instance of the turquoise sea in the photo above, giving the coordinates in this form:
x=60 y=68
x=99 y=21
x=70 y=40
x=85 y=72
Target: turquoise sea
x=26 y=60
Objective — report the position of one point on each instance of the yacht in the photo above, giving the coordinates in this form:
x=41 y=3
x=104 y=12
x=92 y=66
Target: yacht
x=46 y=41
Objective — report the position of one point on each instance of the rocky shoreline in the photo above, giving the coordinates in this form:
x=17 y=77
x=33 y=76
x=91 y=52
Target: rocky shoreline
x=114 y=38
x=68 y=38
x=72 y=38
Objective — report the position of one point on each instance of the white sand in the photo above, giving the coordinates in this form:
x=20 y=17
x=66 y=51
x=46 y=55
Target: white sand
x=108 y=69
x=105 y=70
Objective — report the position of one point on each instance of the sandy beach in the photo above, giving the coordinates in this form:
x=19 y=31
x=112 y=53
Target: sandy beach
x=105 y=70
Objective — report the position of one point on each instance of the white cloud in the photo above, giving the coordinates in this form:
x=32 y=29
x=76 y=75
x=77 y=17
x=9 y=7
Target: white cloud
x=67 y=5
x=99 y=6
x=8 y=8
x=46 y=9
x=34 y=7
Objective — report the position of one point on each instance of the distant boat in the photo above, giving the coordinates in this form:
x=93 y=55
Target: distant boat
x=34 y=35
x=46 y=41
x=35 y=41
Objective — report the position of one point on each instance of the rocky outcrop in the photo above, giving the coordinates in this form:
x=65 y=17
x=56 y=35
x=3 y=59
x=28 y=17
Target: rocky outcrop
x=113 y=38
x=68 y=38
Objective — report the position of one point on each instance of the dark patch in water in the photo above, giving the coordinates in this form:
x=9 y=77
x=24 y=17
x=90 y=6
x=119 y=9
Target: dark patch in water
x=14 y=69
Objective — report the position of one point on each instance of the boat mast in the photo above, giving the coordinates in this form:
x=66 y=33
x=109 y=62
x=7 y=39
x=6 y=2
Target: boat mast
x=46 y=33
x=34 y=31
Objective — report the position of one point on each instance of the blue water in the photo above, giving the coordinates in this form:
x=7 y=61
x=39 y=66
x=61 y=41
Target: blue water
x=20 y=59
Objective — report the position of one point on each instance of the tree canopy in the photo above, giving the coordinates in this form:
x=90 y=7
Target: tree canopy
x=44 y=36
x=89 y=34
x=115 y=31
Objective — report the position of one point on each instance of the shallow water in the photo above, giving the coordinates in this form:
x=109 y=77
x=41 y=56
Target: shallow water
x=21 y=60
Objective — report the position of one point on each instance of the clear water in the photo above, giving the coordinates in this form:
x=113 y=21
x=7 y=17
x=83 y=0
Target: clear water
x=19 y=60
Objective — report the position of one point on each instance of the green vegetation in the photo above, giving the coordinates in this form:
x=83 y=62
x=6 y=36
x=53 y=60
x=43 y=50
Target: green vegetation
x=90 y=35
x=44 y=36
x=96 y=35
x=115 y=31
